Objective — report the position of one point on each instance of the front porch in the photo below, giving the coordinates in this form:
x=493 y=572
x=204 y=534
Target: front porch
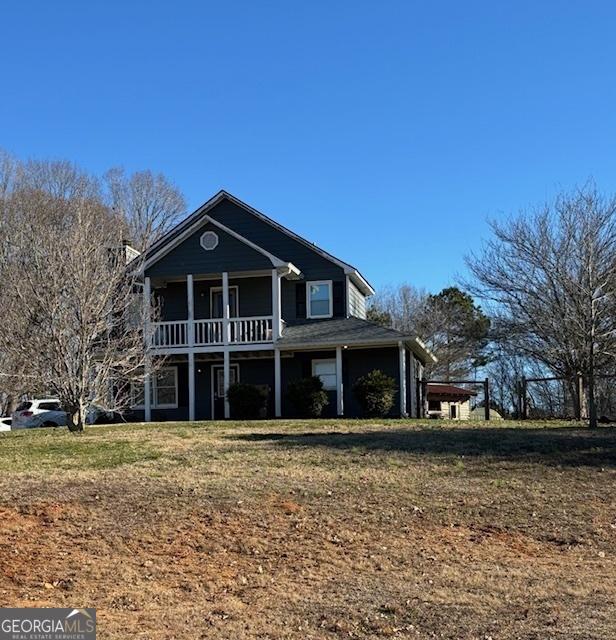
x=202 y=379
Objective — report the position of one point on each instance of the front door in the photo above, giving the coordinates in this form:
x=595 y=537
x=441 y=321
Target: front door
x=218 y=388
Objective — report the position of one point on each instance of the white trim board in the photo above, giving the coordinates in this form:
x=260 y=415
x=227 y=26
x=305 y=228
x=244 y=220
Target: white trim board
x=414 y=344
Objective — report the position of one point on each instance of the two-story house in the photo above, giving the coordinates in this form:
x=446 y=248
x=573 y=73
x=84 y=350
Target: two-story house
x=241 y=298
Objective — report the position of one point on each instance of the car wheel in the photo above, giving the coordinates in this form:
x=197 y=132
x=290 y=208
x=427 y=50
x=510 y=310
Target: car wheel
x=50 y=425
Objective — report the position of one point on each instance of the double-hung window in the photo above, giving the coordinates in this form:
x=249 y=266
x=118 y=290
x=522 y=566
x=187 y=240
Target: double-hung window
x=326 y=371
x=319 y=299
x=163 y=390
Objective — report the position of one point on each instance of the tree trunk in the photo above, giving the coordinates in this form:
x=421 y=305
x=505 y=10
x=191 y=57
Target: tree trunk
x=574 y=390
x=592 y=405
x=77 y=418
x=583 y=399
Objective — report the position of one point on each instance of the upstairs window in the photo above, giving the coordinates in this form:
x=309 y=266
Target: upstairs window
x=319 y=299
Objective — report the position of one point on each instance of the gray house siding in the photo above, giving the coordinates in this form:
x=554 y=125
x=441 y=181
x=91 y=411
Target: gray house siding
x=259 y=371
x=312 y=265
x=203 y=390
x=298 y=367
x=231 y=254
x=355 y=363
x=254 y=294
x=171 y=301
x=357 y=302
x=359 y=362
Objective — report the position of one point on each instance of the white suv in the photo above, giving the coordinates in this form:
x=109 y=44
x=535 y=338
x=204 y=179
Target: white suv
x=46 y=412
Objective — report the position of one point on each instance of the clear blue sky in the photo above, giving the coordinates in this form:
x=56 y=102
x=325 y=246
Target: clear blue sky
x=387 y=132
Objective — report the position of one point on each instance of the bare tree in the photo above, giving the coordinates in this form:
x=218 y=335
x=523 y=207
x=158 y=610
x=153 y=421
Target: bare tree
x=453 y=327
x=551 y=276
x=150 y=204
x=73 y=320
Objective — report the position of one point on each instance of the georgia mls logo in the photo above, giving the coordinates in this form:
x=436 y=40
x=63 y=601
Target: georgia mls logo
x=47 y=624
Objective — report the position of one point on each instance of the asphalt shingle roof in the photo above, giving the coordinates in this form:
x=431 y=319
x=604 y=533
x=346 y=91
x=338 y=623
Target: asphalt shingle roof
x=338 y=331
x=449 y=390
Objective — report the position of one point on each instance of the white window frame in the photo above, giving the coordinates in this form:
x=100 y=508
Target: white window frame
x=329 y=360
x=237 y=301
x=153 y=387
x=329 y=284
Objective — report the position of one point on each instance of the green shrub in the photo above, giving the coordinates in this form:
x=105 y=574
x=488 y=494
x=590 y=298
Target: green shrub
x=308 y=397
x=247 y=401
x=375 y=393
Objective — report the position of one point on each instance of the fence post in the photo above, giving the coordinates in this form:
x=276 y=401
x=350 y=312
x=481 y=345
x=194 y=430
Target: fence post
x=486 y=396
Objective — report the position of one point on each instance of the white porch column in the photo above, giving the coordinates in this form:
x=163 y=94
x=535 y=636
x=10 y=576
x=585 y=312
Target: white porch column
x=277 y=385
x=276 y=305
x=190 y=301
x=414 y=411
x=225 y=310
x=191 y=386
x=147 y=381
x=339 y=386
x=147 y=309
x=402 y=352
x=227 y=380
x=226 y=339
x=147 y=390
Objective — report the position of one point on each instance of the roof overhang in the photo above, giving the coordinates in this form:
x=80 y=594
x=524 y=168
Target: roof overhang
x=414 y=344
x=419 y=348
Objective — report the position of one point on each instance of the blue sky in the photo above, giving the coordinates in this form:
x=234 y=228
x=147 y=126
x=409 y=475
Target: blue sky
x=386 y=132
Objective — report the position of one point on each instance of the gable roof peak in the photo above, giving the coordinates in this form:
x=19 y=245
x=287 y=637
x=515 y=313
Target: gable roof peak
x=197 y=216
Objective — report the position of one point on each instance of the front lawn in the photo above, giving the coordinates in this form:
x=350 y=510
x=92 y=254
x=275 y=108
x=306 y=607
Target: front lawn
x=320 y=529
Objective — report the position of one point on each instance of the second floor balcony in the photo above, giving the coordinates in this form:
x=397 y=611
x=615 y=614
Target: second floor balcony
x=211 y=310
x=211 y=332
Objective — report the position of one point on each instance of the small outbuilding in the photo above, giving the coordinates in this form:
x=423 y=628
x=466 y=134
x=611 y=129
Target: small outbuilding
x=447 y=402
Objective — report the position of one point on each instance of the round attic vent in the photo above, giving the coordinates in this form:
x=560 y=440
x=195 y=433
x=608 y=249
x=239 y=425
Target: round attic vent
x=209 y=240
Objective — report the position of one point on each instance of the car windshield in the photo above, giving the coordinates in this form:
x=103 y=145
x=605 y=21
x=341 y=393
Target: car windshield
x=24 y=406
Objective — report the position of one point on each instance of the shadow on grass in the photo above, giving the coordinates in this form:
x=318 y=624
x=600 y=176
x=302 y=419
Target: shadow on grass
x=554 y=446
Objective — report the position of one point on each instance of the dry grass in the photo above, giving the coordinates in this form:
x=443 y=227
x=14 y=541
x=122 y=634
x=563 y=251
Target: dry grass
x=315 y=530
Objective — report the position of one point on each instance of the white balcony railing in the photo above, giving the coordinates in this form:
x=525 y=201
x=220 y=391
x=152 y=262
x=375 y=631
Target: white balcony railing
x=170 y=334
x=209 y=332
x=249 y=330
x=212 y=332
